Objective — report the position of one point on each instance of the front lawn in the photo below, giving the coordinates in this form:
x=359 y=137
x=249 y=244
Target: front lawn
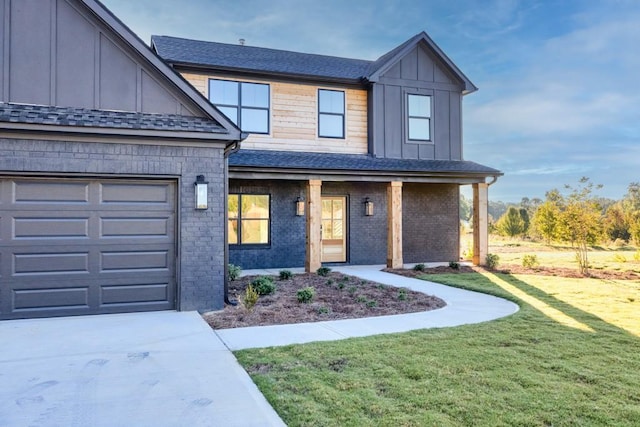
x=570 y=356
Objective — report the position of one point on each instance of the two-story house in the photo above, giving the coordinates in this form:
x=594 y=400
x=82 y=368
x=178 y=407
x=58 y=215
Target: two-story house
x=348 y=160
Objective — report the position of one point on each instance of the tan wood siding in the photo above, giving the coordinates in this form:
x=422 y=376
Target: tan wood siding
x=294 y=118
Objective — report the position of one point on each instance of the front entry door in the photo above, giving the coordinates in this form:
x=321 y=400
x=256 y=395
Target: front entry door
x=334 y=229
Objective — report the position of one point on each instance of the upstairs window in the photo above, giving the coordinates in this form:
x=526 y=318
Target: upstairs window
x=248 y=219
x=330 y=113
x=245 y=104
x=419 y=117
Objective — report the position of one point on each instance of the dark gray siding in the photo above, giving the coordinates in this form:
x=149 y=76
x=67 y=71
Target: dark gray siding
x=419 y=71
x=366 y=241
x=200 y=245
x=430 y=224
x=54 y=52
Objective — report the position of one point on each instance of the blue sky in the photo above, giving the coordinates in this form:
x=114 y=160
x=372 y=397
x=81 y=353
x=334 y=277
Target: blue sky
x=556 y=77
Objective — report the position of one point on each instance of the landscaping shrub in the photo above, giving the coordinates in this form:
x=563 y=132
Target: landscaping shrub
x=492 y=260
x=234 y=271
x=323 y=271
x=250 y=298
x=402 y=294
x=530 y=261
x=619 y=258
x=454 y=264
x=285 y=274
x=419 y=267
x=305 y=295
x=264 y=285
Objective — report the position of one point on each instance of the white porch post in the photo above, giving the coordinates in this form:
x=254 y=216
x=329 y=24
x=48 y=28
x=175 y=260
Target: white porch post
x=480 y=223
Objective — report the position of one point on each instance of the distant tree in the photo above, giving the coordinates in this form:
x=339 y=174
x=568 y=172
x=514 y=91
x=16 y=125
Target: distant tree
x=545 y=220
x=524 y=214
x=496 y=208
x=511 y=223
x=466 y=211
x=616 y=223
x=579 y=221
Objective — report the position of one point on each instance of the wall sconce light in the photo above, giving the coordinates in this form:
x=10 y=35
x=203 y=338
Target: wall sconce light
x=201 y=192
x=368 y=207
x=300 y=206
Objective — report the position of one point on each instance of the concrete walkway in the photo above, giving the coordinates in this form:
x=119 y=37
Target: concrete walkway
x=463 y=307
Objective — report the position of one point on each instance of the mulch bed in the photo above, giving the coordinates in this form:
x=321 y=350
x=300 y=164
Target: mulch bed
x=337 y=296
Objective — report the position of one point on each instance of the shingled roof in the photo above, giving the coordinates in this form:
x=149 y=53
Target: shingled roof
x=353 y=162
x=84 y=117
x=234 y=57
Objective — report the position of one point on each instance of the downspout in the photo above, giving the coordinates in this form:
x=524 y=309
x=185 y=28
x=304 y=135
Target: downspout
x=228 y=150
x=493 y=181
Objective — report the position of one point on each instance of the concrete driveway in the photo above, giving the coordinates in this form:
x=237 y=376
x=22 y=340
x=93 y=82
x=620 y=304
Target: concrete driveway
x=144 y=369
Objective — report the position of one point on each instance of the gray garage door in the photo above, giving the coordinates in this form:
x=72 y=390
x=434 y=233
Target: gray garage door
x=86 y=246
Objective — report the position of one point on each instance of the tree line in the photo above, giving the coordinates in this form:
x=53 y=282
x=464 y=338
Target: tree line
x=576 y=216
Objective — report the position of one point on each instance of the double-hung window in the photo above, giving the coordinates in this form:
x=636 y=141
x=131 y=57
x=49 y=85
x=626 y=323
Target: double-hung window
x=418 y=117
x=248 y=219
x=245 y=104
x=330 y=113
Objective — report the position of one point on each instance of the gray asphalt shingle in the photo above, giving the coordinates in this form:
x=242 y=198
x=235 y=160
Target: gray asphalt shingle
x=84 y=117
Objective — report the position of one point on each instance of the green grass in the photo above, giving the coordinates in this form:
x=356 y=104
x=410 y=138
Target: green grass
x=554 y=362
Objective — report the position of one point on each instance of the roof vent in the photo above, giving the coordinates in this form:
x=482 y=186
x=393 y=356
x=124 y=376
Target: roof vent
x=241 y=41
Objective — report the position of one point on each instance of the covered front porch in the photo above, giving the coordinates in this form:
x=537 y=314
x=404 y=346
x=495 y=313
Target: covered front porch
x=350 y=209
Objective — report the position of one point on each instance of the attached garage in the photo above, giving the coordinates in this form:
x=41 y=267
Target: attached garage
x=100 y=145
x=86 y=246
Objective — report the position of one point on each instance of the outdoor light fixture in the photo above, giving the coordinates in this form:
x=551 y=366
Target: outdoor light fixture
x=368 y=207
x=201 y=192
x=299 y=206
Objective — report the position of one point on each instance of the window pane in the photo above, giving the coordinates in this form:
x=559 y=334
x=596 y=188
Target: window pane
x=223 y=92
x=233 y=231
x=231 y=113
x=327 y=229
x=255 y=95
x=419 y=129
x=331 y=126
x=255 y=231
x=337 y=209
x=232 y=205
x=420 y=105
x=255 y=206
x=255 y=120
x=331 y=101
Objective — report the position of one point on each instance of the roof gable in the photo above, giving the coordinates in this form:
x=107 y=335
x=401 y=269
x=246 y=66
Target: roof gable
x=77 y=54
x=447 y=69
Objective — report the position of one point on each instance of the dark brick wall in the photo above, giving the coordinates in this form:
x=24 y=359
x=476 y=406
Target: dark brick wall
x=430 y=222
x=287 y=233
x=201 y=244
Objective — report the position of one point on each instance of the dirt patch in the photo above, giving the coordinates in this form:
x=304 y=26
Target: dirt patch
x=337 y=296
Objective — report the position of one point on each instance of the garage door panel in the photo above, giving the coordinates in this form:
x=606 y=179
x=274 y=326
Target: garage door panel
x=50 y=299
x=86 y=246
x=50 y=191
x=50 y=228
x=42 y=264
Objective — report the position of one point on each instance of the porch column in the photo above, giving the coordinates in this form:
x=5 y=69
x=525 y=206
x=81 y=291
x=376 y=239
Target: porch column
x=480 y=223
x=313 y=257
x=394 y=225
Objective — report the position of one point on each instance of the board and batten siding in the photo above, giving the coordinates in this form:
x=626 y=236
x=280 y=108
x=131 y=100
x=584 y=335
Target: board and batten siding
x=419 y=71
x=294 y=117
x=55 y=52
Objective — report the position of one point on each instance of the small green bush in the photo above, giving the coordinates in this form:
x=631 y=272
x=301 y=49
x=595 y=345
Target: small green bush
x=619 y=258
x=285 y=274
x=305 y=295
x=530 y=261
x=323 y=309
x=323 y=271
x=372 y=303
x=361 y=299
x=454 y=264
x=234 y=271
x=329 y=282
x=402 y=294
x=492 y=260
x=419 y=267
x=264 y=285
x=250 y=298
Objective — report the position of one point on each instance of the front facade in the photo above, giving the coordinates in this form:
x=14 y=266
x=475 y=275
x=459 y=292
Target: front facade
x=347 y=161
x=100 y=146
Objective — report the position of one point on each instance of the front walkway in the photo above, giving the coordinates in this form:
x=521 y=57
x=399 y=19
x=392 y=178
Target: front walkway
x=463 y=307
